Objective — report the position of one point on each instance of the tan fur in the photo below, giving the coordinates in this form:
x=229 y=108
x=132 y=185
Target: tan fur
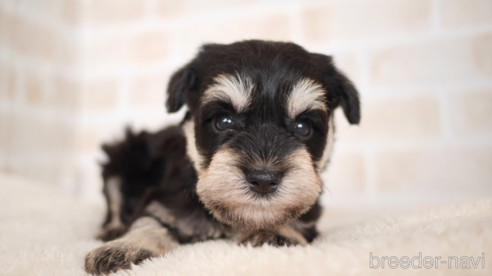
x=291 y=233
x=191 y=149
x=284 y=235
x=321 y=164
x=193 y=225
x=163 y=214
x=147 y=233
x=146 y=238
x=305 y=95
x=112 y=189
x=225 y=192
x=300 y=226
x=235 y=90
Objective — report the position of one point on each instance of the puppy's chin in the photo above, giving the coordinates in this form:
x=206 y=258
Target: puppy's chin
x=224 y=191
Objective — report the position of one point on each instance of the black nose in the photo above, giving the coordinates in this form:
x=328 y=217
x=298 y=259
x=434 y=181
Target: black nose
x=263 y=182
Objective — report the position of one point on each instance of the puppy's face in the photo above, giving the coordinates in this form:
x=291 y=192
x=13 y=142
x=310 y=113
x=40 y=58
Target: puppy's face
x=259 y=128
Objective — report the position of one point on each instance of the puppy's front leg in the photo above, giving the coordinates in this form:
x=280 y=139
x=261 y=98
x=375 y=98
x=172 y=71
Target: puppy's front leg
x=145 y=239
x=281 y=236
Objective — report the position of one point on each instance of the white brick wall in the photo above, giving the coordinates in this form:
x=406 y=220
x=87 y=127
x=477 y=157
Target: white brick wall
x=74 y=72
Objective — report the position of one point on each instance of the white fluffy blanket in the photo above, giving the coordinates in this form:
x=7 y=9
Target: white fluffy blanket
x=45 y=232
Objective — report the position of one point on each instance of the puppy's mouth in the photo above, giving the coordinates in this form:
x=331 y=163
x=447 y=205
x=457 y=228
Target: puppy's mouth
x=258 y=198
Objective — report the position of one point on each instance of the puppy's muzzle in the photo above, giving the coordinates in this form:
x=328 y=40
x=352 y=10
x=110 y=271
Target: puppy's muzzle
x=264 y=182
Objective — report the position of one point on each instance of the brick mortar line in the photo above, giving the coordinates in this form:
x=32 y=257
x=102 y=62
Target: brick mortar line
x=402 y=39
x=136 y=26
x=419 y=89
x=444 y=117
x=39 y=64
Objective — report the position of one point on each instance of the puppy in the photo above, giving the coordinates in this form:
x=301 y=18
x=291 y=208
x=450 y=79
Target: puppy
x=244 y=164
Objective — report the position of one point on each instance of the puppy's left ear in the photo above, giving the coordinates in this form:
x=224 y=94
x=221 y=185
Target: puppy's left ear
x=340 y=86
x=181 y=81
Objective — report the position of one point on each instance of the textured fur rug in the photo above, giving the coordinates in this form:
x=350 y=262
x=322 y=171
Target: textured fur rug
x=44 y=232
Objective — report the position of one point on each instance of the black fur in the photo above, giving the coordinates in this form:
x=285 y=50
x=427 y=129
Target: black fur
x=154 y=166
x=274 y=68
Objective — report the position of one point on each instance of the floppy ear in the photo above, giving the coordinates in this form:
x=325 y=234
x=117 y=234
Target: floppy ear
x=185 y=79
x=340 y=86
x=349 y=98
x=181 y=81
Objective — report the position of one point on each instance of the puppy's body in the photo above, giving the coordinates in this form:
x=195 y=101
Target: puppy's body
x=155 y=178
x=244 y=164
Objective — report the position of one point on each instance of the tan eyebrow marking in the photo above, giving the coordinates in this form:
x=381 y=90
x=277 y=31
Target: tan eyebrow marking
x=235 y=90
x=305 y=95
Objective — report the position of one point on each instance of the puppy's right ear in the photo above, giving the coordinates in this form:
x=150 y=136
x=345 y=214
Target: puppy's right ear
x=181 y=81
x=340 y=86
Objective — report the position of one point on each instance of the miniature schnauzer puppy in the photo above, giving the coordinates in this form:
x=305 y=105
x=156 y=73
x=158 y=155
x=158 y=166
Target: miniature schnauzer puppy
x=244 y=164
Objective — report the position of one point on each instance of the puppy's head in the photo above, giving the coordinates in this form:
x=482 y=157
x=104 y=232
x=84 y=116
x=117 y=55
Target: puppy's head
x=259 y=128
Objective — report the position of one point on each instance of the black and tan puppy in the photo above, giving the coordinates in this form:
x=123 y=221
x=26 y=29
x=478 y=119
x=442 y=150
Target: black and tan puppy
x=244 y=164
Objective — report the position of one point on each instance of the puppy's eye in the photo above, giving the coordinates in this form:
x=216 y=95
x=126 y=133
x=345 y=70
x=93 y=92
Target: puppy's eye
x=302 y=128
x=223 y=122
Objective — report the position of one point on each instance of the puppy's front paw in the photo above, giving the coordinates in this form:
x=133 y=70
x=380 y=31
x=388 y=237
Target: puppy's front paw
x=258 y=238
x=114 y=256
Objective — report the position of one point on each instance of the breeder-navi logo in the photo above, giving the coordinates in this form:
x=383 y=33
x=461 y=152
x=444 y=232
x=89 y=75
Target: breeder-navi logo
x=428 y=262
